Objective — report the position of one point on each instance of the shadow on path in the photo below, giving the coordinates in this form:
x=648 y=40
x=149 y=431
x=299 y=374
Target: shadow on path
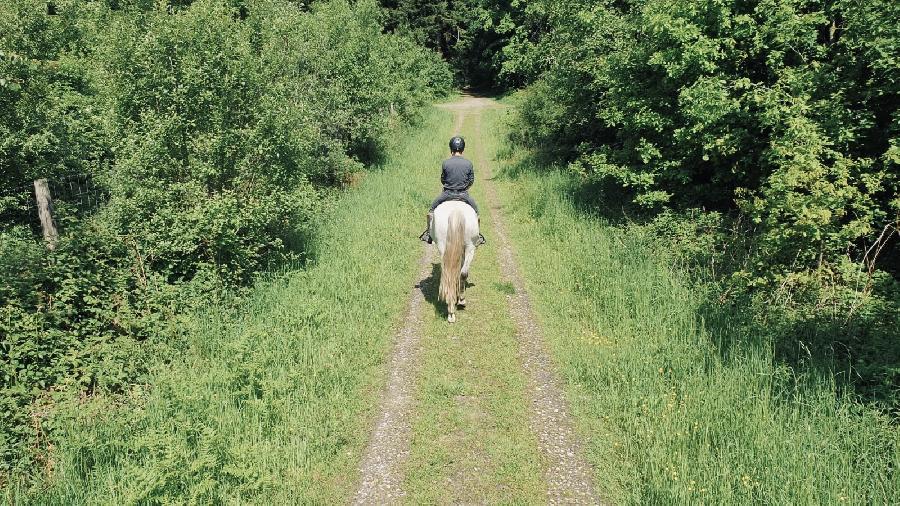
x=429 y=288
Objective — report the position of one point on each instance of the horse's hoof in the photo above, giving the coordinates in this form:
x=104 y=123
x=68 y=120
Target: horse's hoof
x=451 y=318
x=461 y=304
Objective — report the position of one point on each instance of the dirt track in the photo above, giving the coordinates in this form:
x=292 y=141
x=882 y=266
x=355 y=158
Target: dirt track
x=566 y=474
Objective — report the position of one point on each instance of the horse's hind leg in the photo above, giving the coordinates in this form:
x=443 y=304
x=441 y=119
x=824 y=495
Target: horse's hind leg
x=451 y=312
x=464 y=274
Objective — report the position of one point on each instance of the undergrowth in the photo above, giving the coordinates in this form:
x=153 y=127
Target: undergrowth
x=683 y=399
x=267 y=403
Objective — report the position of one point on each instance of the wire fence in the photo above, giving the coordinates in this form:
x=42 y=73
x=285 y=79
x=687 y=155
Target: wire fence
x=72 y=196
x=80 y=191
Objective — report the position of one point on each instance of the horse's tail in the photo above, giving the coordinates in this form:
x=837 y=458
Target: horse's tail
x=452 y=262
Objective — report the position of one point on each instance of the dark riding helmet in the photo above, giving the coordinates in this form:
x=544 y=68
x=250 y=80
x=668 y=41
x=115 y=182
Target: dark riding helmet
x=457 y=144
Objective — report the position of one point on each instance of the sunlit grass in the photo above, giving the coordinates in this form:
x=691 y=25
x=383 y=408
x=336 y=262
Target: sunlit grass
x=471 y=443
x=668 y=418
x=272 y=406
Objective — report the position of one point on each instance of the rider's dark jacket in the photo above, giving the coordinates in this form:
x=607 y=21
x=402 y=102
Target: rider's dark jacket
x=457 y=175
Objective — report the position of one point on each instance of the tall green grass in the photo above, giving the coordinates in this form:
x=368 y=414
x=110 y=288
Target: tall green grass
x=273 y=405
x=678 y=404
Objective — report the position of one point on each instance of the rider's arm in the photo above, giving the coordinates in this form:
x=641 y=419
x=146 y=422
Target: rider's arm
x=470 y=177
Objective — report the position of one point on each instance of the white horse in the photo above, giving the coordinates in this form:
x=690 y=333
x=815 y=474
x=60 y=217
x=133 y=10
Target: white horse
x=455 y=232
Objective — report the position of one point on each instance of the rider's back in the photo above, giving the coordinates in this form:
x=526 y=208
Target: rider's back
x=457 y=173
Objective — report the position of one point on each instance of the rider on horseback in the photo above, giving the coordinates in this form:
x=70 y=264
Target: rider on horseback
x=457 y=176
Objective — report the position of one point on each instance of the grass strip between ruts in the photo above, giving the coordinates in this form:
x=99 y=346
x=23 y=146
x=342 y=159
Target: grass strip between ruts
x=471 y=442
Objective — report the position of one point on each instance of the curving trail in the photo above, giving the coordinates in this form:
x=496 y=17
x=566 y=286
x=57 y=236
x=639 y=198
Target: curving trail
x=507 y=426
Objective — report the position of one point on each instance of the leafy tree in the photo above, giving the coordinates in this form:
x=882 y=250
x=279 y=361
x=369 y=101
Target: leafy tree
x=470 y=34
x=760 y=137
x=784 y=110
x=213 y=130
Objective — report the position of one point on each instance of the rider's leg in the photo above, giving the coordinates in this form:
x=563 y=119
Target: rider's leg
x=443 y=197
x=481 y=239
x=426 y=235
x=465 y=197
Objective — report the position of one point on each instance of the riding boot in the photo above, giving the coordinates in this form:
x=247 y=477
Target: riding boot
x=426 y=235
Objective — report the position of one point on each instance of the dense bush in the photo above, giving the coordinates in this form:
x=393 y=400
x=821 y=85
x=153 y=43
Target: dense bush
x=470 y=34
x=766 y=132
x=210 y=131
x=784 y=110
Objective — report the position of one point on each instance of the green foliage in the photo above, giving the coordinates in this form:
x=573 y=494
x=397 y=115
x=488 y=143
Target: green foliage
x=47 y=125
x=784 y=112
x=217 y=126
x=269 y=398
x=213 y=132
x=71 y=321
x=470 y=34
x=689 y=399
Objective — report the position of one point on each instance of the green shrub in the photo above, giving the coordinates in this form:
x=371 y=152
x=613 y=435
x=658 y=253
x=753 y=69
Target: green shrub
x=71 y=321
x=210 y=135
x=783 y=110
x=759 y=140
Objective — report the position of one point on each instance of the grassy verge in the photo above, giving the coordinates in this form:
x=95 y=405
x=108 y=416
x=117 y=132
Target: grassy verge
x=470 y=442
x=671 y=411
x=271 y=406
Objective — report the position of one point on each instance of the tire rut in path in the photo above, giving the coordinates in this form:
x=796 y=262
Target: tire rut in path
x=567 y=474
x=381 y=479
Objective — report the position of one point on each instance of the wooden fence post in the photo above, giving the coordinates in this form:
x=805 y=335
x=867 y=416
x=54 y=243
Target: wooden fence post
x=45 y=212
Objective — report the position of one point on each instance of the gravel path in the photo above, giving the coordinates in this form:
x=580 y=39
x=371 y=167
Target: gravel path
x=567 y=474
x=381 y=478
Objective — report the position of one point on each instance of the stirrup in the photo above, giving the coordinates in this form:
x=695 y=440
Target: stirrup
x=481 y=240
x=425 y=237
